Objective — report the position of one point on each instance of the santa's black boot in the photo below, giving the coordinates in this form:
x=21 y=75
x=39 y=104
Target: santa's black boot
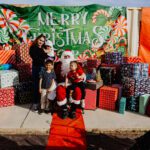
x=64 y=114
x=72 y=113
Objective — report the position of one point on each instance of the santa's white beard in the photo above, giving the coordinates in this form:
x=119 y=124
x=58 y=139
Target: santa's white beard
x=65 y=67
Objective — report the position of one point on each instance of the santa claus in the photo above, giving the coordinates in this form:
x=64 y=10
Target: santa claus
x=62 y=93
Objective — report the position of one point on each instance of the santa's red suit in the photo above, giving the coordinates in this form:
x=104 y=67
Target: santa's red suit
x=61 y=70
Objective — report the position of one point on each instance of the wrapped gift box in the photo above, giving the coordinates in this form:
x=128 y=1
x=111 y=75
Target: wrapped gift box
x=142 y=86
x=143 y=103
x=113 y=58
x=135 y=86
x=94 y=85
x=144 y=70
x=130 y=59
x=131 y=70
x=122 y=105
x=90 y=99
x=25 y=72
x=108 y=97
x=22 y=53
x=93 y=63
x=135 y=70
x=7 y=57
x=108 y=75
x=24 y=92
x=8 y=78
x=117 y=68
x=6 y=97
x=133 y=104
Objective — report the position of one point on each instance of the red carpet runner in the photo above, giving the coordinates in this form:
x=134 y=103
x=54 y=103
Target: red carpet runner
x=67 y=134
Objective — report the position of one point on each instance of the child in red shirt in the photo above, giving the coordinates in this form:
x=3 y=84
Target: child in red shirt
x=76 y=76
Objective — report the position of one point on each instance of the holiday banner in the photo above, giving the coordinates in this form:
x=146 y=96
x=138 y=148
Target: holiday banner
x=87 y=30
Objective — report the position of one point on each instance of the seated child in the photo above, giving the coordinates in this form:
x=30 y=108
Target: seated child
x=76 y=76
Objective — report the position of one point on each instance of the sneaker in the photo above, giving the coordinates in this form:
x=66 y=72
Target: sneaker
x=35 y=107
x=72 y=114
x=47 y=111
x=40 y=111
x=64 y=114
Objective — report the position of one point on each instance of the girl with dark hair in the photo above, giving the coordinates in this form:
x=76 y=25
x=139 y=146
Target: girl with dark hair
x=38 y=57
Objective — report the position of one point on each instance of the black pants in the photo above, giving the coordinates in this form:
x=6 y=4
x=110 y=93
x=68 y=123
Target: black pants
x=81 y=85
x=35 y=76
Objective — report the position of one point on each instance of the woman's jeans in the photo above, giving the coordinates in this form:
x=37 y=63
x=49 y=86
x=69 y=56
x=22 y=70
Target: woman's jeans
x=35 y=75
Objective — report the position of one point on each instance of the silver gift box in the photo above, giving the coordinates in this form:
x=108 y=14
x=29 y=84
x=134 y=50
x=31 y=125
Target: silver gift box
x=8 y=78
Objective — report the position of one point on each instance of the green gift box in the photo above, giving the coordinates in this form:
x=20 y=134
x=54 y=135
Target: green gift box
x=143 y=103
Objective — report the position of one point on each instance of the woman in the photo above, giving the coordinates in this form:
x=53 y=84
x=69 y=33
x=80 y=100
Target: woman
x=38 y=57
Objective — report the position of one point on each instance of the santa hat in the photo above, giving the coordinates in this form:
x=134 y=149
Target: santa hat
x=68 y=52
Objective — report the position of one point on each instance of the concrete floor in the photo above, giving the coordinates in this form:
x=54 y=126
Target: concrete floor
x=23 y=120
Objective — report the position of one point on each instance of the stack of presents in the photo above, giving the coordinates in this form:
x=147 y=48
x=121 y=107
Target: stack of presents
x=15 y=76
x=123 y=84
x=117 y=84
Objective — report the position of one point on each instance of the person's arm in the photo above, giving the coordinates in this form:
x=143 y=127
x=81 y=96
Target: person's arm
x=66 y=82
x=40 y=85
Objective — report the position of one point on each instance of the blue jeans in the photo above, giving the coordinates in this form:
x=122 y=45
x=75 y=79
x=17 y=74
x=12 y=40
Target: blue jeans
x=35 y=75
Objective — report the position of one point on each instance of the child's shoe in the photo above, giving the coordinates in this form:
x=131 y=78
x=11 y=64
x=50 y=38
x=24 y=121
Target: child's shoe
x=72 y=114
x=40 y=111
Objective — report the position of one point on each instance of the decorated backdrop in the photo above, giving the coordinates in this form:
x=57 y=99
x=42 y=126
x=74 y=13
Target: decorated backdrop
x=87 y=30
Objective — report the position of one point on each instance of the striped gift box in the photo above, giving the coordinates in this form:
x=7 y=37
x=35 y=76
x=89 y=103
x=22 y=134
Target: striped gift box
x=129 y=59
x=7 y=57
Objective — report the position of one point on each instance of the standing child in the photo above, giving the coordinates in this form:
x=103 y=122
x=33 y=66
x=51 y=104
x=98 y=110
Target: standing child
x=47 y=80
x=76 y=76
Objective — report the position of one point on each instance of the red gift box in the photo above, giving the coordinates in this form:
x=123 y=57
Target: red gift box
x=22 y=53
x=90 y=99
x=93 y=63
x=7 y=57
x=131 y=59
x=6 y=97
x=108 y=97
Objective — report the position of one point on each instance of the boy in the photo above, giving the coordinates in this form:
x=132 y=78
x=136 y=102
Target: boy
x=47 y=80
